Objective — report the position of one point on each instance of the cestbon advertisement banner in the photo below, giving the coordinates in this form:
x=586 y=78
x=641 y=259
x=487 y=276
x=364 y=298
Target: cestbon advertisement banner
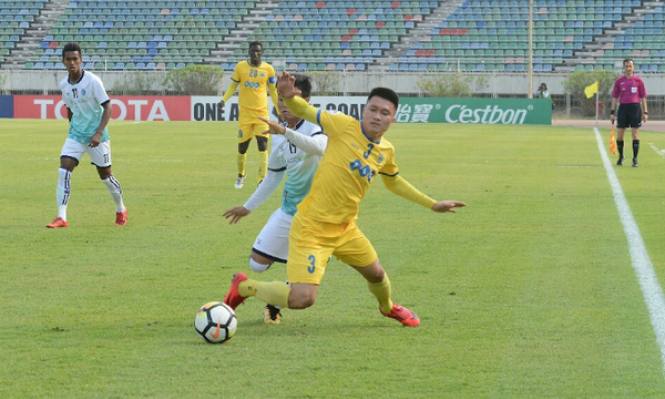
x=475 y=110
x=204 y=108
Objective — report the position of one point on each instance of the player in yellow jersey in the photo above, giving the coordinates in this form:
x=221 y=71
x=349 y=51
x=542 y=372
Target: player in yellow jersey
x=255 y=78
x=325 y=223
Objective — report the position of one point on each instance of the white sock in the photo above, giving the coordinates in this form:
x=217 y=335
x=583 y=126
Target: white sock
x=116 y=192
x=62 y=192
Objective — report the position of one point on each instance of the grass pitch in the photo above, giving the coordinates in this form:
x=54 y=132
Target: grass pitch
x=527 y=292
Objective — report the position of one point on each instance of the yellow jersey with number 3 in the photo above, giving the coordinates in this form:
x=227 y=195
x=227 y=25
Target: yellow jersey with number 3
x=351 y=163
x=253 y=84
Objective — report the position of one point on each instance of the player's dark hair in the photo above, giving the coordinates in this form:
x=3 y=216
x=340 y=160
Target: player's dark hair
x=628 y=60
x=256 y=43
x=385 y=93
x=71 y=46
x=303 y=84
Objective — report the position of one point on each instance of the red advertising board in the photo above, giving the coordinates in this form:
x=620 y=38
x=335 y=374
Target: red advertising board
x=125 y=108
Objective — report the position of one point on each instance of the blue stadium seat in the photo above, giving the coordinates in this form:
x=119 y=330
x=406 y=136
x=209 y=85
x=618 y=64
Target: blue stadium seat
x=472 y=28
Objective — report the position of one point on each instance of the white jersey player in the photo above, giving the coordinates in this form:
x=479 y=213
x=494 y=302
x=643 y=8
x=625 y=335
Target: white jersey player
x=297 y=157
x=89 y=111
x=296 y=154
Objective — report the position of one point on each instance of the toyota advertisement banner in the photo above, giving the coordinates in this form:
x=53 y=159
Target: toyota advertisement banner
x=125 y=108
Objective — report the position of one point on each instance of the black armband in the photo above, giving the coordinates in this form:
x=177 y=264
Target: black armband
x=611 y=112
x=646 y=113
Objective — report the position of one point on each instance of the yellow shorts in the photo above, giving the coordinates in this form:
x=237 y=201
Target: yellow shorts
x=311 y=243
x=249 y=125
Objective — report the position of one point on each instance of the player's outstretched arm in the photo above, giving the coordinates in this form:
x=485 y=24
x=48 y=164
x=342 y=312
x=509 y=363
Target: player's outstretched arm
x=297 y=105
x=401 y=187
x=286 y=86
x=236 y=213
x=273 y=127
x=447 y=206
x=315 y=145
x=269 y=184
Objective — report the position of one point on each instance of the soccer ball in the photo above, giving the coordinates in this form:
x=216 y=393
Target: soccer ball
x=215 y=322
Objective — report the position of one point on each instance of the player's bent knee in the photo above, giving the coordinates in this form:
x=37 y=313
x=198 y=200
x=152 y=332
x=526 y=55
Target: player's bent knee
x=68 y=163
x=262 y=143
x=373 y=272
x=242 y=147
x=258 y=267
x=104 y=172
x=301 y=303
x=302 y=296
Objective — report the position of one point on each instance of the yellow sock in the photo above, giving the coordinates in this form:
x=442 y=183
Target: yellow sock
x=242 y=160
x=273 y=292
x=263 y=164
x=381 y=291
x=247 y=288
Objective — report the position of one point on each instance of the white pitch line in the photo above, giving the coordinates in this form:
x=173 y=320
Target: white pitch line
x=659 y=152
x=652 y=291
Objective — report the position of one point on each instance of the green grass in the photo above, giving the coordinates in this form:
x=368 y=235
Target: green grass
x=527 y=292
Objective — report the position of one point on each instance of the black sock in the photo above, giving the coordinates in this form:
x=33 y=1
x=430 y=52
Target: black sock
x=636 y=148
x=620 y=147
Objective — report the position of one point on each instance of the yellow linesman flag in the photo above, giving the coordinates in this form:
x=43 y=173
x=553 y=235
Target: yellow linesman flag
x=591 y=89
x=613 y=143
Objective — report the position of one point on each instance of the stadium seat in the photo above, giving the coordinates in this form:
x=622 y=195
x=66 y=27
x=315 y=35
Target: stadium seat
x=368 y=29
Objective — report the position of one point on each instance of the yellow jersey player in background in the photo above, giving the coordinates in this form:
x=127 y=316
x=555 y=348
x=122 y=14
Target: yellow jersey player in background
x=325 y=223
x=255 y=78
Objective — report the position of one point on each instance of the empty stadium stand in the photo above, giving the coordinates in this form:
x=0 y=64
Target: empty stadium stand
x=412 y=36
x=336 y=35
x=15 y=19
x=567 y=35
x=139 y=36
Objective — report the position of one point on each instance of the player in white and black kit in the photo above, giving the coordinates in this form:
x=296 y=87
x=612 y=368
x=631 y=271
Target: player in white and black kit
x=631 y=95
x=89 y=111
x=296 y=154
